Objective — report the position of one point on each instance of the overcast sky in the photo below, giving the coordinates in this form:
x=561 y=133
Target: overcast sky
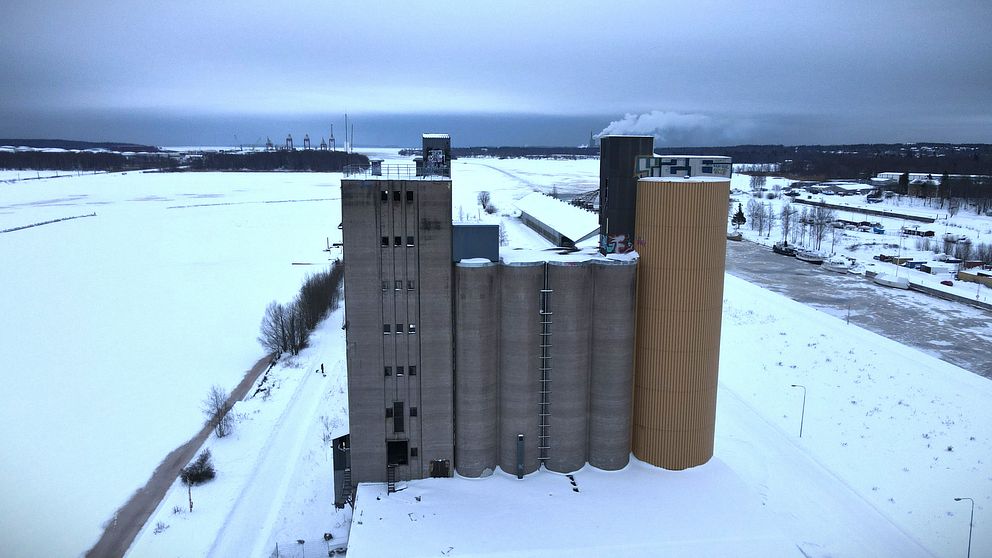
x=498 y=72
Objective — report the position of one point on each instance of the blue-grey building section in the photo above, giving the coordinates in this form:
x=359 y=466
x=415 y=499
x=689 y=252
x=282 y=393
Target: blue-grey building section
x=474 y=240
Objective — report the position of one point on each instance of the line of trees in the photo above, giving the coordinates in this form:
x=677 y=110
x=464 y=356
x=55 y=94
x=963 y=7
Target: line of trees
x=299 y=160
x=287 y=328
x=799 y=227
x=82 y=161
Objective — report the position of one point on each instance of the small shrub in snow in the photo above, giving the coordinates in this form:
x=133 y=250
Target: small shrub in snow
x=160 y=527
x=196 y=473
x=176 y=510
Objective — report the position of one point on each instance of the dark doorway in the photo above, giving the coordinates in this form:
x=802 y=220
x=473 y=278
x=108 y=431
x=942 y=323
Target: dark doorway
x=396 y=452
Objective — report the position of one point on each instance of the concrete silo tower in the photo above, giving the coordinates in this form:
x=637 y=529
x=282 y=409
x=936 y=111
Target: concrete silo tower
x=680 y=236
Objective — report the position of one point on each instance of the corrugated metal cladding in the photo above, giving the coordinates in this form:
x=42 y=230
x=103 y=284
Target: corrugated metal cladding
x=476 y=369
x=681 y=239
x=618 y=189
x=592 y=336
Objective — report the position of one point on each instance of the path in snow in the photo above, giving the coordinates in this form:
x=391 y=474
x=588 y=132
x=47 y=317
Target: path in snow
x=259 y=502
x=132 y=516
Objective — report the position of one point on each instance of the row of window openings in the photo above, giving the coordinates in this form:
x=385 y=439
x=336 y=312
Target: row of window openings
x=411 y=329
x=398 y=285
x=400 y=371
x=397 y=196
x=397 y=241
x=391 y=413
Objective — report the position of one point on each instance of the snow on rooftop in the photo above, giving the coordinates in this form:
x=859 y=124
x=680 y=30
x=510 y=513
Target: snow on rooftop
x=639 y=511
x=522 y=256
x=568 y=220
x=437 y=136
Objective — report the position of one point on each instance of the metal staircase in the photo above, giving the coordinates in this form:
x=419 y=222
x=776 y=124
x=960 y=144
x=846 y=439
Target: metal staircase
x=544 y=406
x=346 y=487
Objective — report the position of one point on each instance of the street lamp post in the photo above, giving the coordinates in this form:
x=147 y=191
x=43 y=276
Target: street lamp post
x=802 y=417
x=971 y=522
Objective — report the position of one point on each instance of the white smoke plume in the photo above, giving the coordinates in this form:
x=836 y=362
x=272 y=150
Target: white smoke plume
x=675 y=127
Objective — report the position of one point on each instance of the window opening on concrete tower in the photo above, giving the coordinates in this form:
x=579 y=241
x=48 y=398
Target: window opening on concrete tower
x=398 y=416
x=409 y=199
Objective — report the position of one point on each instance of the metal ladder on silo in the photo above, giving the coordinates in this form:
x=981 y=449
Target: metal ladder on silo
x=544 y=406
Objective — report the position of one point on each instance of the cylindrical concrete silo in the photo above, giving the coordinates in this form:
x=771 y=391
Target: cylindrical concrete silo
x=520 y=285
x=681 y=239
x=571 y=327
x=476 y=368
x=611 y=377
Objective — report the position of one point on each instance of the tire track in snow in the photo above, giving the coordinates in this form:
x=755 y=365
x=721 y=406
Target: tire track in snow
x=258 y=503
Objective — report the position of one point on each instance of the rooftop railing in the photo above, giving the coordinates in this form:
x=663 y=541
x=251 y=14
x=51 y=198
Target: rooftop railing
x=396 y=171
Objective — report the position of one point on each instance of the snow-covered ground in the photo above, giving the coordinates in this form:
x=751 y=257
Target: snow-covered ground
x=274 y=473
x=123 y=321
x=114 y=327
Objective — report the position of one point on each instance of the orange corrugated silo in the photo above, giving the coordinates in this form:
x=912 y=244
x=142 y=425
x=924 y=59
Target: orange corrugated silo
x=681 y=238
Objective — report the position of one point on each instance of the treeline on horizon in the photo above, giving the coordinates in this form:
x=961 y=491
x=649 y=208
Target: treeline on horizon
x=88 y=161
x=305 y=160
x=803 y=162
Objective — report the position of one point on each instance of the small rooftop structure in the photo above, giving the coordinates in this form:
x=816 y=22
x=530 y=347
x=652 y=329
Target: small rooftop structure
x=561 y=223
x=683 y=165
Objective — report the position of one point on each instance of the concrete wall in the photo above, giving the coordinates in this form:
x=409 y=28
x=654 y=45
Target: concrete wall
x=476 y=368
x=388 y=285
x=571 y=307
x=519 y=378
x=617 y=189
x=681 y=239
x=611 y=378
x=366 y=388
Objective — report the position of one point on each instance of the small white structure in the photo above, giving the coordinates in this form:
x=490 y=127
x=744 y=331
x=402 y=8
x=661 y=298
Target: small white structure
x=560 y=222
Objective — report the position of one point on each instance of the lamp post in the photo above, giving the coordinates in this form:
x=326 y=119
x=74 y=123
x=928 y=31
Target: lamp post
x=802 y=417
x=971 y=523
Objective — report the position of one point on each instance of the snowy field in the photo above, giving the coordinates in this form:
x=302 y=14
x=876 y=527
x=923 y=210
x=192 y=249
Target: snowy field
x=115 y=326
x=122 y=321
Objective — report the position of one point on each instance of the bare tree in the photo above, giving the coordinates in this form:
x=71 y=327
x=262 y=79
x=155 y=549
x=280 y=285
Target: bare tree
x=483 y=198
x=758 y=182
x=785 y=219
x=274 y=335
x=216 y=407
x=755 y=214
x=821 y=217
x=769 y=219
x=953 y=206
x=504 y=238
